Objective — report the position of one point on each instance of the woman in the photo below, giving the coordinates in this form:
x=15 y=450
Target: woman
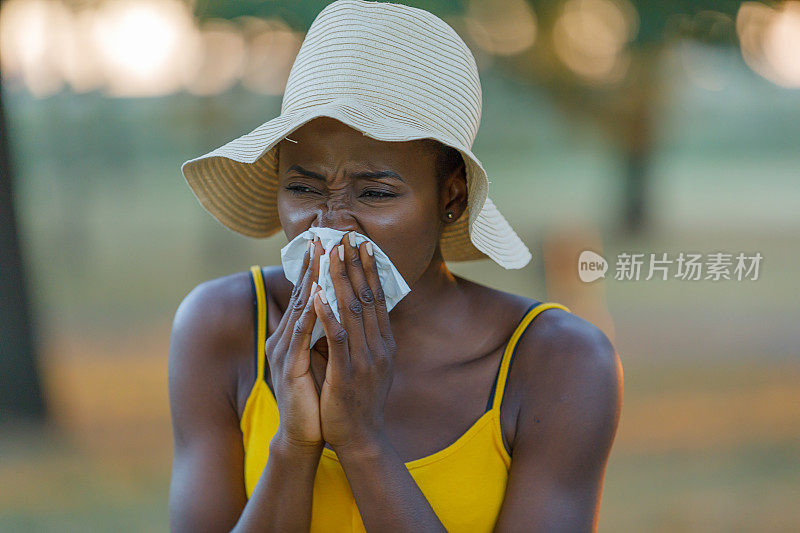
x=400 y=421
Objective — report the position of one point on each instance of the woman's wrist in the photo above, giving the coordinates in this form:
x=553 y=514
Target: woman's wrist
x=285 y=446
x=367 y=448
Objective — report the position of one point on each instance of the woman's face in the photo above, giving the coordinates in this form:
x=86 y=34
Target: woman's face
x=336 y=177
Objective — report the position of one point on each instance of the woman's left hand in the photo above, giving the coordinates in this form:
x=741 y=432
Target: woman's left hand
x=361 y=350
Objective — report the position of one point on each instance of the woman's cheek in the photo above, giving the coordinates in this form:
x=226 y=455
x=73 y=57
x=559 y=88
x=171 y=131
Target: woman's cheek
x=409 y=238
x=294 y=218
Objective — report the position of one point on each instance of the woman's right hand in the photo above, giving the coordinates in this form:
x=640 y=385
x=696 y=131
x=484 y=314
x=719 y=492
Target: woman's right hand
x=288 y=353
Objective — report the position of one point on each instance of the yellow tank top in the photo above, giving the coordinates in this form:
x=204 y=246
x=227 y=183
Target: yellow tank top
x=464 y=482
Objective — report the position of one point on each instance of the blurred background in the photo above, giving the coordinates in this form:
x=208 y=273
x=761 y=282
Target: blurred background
x=617 y=126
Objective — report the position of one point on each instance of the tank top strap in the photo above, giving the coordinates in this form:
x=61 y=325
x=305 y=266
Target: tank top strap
x=505 y=363
x=260 y=318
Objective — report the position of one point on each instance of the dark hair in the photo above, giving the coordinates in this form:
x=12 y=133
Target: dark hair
x=447 y=159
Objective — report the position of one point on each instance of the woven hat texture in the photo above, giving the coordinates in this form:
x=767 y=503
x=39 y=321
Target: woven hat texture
x=391 y=71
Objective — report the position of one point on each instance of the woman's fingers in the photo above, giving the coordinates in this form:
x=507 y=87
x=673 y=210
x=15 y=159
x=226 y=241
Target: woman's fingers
x=378 y=296
x=297 y=302
x=356 y=259
x=338 y=347
x=374 y=280
x=296 y=290
x=298 y=355
x=350 y=308
x=301 y=292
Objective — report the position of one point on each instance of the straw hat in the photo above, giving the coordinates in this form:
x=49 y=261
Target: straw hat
x=393 y=72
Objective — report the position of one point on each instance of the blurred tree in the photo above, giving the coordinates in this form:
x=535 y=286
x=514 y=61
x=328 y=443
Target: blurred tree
x=20 y=387
x=599 y=61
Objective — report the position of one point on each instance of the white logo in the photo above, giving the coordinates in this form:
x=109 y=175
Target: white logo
x=591 y=266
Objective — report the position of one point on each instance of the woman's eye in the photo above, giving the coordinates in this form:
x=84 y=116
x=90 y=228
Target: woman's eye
x=378 y=194
x=298 y=189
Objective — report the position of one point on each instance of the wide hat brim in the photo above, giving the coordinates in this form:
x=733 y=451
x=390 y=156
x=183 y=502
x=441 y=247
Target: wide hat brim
x=237 y=183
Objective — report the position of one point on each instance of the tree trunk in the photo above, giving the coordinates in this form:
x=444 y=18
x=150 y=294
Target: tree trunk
x=20 y=387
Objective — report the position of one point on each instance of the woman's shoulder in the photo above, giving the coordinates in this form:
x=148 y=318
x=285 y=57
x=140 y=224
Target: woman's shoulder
x=219 y=304
x=213 y=324
x=224 y=304
x=557 y=346
x=568 y=368
x=564 y=340
x=210 y=352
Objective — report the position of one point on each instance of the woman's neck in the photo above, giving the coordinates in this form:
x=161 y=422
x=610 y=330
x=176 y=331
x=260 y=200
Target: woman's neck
x=436 y=293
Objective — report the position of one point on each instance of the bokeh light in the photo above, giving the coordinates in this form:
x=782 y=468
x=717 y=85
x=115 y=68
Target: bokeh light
x=590 y=38
x=80 y=65
x=501 y=27
x=220 y=59
x=770 y=40
x=272 y=47
x=31 y=38
x=142 y=45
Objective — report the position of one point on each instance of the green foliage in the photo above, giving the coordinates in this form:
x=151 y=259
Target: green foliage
x=661 y=20
x=298 y=14
x=711 y=21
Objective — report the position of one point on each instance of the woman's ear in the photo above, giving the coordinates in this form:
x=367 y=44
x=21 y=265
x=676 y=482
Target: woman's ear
x=453 y=198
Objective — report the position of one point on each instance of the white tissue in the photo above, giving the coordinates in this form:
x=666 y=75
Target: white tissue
x=393 y=284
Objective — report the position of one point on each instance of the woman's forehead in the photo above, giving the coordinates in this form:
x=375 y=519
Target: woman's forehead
x=326 y=142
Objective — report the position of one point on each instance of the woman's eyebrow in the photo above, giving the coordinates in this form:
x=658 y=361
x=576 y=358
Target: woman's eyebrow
x=305 y=172
x=378 y=174
x=359 y=175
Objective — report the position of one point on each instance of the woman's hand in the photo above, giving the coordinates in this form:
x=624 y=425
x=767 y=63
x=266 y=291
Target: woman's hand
x=361 y=350
x=289 y=356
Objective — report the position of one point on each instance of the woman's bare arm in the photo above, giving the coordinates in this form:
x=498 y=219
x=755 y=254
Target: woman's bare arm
x=207 y=491
x=569 y=412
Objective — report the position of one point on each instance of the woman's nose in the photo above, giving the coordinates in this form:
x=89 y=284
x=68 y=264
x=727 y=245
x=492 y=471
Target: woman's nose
x=338 y=219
